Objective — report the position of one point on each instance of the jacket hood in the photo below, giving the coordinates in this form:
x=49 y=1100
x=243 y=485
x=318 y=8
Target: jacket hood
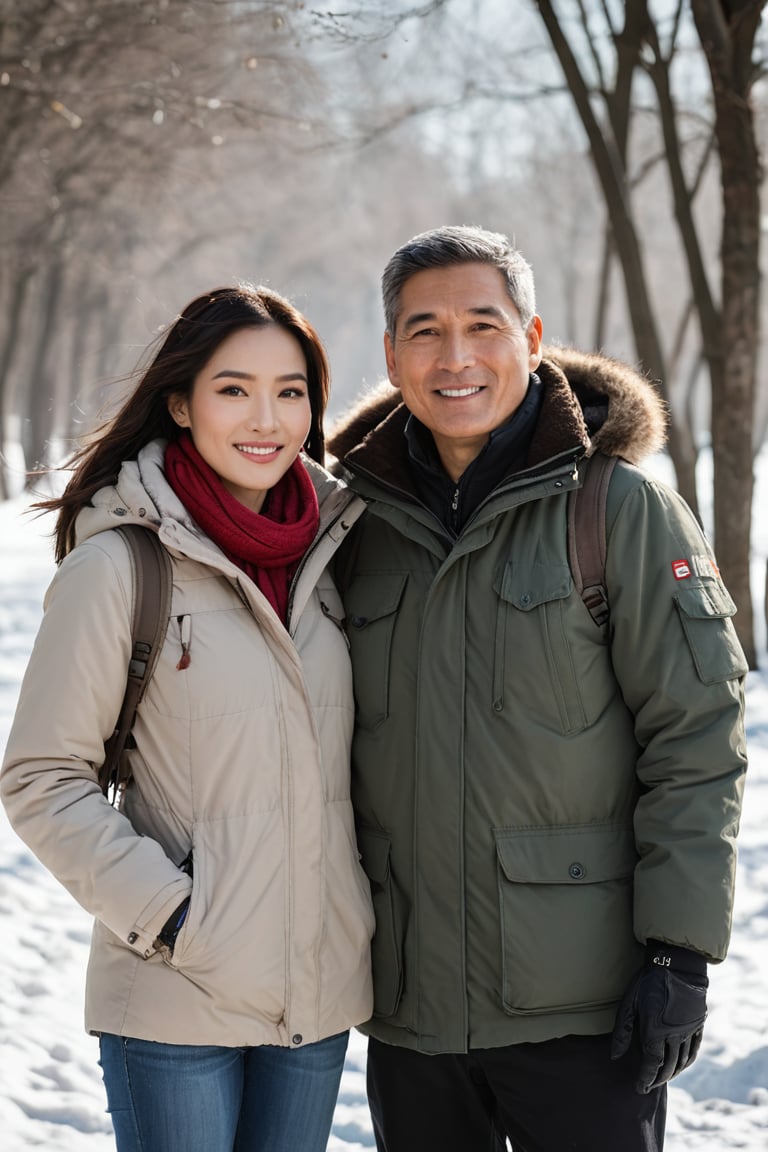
x=590 y=402
x=142 y=495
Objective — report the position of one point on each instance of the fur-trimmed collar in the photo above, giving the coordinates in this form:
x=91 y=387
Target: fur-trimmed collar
x=591 y=403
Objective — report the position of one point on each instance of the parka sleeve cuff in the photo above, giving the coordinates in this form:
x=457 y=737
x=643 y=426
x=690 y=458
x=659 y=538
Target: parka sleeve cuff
x=143 y=934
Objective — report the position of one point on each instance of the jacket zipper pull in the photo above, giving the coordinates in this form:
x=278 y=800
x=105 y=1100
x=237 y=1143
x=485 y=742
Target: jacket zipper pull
x=185 y=630
x=455 y=510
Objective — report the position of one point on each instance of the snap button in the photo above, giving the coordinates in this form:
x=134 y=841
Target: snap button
x=525 y=599
x=132 y=937
x=359 y=621
x=577 y=871
x=297 y=1039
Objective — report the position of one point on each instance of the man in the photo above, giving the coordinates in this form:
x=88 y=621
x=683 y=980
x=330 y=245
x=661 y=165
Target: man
x=546 y=806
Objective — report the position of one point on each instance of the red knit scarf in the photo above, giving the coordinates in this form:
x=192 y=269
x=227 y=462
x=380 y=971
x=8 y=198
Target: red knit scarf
x=267 y=545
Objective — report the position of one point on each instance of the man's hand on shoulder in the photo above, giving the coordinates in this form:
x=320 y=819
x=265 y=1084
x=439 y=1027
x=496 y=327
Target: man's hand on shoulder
x=666 y=1005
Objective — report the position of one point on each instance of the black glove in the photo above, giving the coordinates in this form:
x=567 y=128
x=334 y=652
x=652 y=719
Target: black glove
x=667 y=1004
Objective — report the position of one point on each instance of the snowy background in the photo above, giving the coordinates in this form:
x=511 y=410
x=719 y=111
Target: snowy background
x=51 y=1095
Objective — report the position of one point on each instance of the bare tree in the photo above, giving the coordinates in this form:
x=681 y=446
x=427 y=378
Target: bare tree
x=108 y=110
x=608 y=141
x=729 y=331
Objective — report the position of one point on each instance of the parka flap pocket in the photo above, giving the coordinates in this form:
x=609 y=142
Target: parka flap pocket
x=569 y=883
x=706 y=602
x=373 y=596
x=526 y=585
x=583 y=855
x=374 y=854
x=705 y=612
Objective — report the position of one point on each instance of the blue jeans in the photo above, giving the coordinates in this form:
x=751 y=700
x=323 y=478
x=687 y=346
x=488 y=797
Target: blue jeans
x=184 y=1098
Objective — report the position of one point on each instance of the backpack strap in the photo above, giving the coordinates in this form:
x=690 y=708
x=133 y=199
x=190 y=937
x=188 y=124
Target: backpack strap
x=152 y=584
x=587 y=535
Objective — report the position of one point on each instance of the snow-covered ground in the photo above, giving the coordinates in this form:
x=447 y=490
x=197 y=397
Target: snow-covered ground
x=51 y=1095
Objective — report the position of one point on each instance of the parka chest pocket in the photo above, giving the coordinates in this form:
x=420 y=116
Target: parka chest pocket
x=706 y=613
x=371 y=603
x=532 y=644
x=565 y=908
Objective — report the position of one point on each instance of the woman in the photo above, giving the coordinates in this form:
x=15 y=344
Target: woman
x=230 y=953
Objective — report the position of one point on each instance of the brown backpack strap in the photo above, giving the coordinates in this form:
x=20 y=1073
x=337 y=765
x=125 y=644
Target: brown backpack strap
x=587 y=535
x=151 y=579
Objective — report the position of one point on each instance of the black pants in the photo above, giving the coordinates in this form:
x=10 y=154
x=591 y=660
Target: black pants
x=562 y=1095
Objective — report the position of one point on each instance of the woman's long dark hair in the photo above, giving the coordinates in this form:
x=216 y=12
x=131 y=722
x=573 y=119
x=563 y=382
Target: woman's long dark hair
x=186 y=348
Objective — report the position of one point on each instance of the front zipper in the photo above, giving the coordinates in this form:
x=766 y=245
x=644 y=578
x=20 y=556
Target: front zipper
x=305 y=558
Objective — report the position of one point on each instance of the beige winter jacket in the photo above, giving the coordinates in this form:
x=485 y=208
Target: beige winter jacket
x=243 y=756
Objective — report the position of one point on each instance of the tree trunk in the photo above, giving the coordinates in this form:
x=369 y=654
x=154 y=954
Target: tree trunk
x=12 y=329
x=601 y=311
x=727 y=37
x=37 y=422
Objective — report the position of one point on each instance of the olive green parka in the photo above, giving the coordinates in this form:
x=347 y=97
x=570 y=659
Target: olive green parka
x=535 y=795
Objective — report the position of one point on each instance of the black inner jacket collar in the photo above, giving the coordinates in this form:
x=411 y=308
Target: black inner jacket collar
x=453 y=502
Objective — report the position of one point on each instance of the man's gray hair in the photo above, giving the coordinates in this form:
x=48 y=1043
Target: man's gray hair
x=458 y=244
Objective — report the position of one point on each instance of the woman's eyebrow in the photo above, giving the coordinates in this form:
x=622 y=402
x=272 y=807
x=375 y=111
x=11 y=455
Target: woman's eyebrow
x=236 y=374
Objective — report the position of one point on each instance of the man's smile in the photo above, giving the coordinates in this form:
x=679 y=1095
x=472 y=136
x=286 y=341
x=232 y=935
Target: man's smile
x=459 y=392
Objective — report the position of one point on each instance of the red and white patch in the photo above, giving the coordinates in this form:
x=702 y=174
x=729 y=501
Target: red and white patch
x=681 y=569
